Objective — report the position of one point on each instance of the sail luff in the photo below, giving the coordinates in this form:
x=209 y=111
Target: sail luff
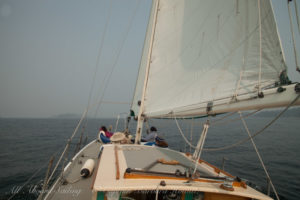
x=141 y=110
x=135 y=105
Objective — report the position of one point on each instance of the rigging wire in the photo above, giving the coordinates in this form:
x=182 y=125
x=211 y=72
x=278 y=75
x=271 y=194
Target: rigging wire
x=117 y=56
x=258 y=154
x=192 y=130
x=72 y=136
x=188 y=128
x=240 y=142
x=100 y=102
x=94 y=75
x=68 y=144
x=99 y=53
x=221 y=119
x=218 y=121
x=32 y=176
x=182 y=134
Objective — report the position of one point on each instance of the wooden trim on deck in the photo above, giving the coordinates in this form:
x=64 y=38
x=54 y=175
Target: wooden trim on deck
x=117 y=163
x=217 y=170
x=146 y=176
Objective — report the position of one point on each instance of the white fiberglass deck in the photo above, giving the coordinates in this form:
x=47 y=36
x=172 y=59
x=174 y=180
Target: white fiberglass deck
x=115 y=159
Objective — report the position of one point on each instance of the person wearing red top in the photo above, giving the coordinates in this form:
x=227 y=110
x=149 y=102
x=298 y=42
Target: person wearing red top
x=107 y=133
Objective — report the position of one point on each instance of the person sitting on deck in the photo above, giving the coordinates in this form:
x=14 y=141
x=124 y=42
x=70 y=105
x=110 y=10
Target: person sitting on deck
x=151 y=135
x=107 y=133
x=104 y=135
x=152 y=139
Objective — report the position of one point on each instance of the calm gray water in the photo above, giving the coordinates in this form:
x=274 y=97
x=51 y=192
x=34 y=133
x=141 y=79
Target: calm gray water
x=27 y=144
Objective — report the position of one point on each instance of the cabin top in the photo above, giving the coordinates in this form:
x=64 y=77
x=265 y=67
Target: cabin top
x=150 y=168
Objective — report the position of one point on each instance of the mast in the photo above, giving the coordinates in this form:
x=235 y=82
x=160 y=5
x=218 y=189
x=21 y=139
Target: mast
x=140 y=115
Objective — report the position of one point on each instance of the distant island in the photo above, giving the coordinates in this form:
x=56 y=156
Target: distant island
x=75 y=116
x=67 y=116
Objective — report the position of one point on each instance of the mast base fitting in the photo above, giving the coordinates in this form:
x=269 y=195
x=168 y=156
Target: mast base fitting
x=261 y=95
x=297 y=88
x=281 y=89
x=227 y=187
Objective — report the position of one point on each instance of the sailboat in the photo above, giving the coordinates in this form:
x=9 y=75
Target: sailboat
x=200 y=58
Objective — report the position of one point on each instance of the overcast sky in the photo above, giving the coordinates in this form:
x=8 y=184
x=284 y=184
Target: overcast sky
x=49 y=49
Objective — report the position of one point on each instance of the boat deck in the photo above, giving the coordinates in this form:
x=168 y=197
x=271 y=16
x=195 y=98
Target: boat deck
x=129 y=168
x=76 y=187
x=143 y=168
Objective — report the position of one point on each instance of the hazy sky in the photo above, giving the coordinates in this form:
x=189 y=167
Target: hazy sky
x=49 y=49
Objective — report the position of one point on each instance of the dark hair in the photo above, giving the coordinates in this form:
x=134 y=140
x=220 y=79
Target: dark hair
x=103 y=128
x=153 y=128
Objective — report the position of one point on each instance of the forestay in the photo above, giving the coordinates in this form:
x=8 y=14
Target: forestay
x=204 y=51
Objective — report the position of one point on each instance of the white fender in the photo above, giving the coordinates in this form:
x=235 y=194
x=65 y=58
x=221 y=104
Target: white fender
x=87 y=168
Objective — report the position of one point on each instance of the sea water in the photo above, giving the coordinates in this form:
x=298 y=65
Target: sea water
x=26 y=146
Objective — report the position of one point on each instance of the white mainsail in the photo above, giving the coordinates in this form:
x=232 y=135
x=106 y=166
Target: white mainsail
x=205 y=52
